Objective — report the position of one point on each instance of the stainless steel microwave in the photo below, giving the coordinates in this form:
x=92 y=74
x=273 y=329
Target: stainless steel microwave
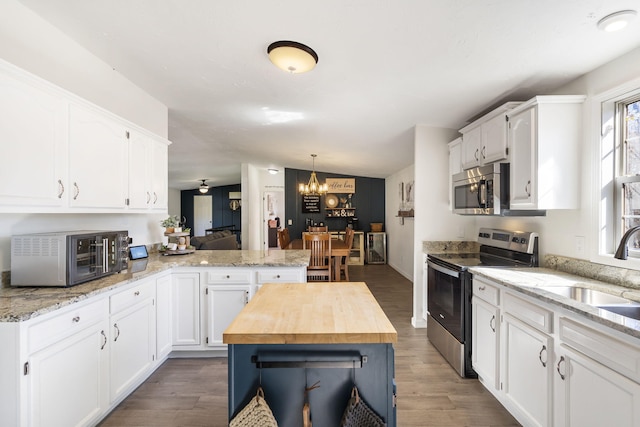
x=484 y=190
x=67 y=258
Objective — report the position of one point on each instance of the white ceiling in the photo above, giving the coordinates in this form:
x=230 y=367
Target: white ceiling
x=384 y=67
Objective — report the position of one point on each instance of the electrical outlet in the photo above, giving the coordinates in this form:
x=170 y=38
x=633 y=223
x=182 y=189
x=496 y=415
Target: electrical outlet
x=580 y=249
x=290 y=222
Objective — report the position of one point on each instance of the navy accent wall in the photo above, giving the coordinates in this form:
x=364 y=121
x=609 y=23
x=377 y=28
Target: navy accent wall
x=222 y=214
x=369 y=201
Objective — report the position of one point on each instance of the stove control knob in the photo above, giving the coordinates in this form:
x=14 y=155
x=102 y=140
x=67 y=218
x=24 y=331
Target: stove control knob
x=523 y=240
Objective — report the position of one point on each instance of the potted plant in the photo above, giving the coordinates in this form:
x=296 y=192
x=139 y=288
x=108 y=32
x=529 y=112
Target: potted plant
x=170 y=223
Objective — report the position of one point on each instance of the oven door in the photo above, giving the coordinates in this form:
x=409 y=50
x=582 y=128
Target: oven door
x=445 y=298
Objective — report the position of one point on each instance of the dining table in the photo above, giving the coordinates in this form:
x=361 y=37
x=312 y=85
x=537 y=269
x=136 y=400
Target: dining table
x=339 y=249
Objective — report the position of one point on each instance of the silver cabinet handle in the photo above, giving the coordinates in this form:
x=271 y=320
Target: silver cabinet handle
x=492 y=324
x=148 y=197
x=76 y=319
x=115 y=325
x=105 y=340
x=60 y=188
x=136 y=293
x=527 y=188
x=476 y=154
x=482 y=288
x=246 y=297
x=558 y=367
x=75 y=186
x=483 y=152
x=155 y=197
x=544 y=348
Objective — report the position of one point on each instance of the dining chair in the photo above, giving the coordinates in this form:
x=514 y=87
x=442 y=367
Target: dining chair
x=344 y=262
x=320 y=262
x=318 y=229
x=283 y=238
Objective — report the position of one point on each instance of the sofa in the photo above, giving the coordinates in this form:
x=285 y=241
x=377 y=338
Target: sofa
x=224 y=239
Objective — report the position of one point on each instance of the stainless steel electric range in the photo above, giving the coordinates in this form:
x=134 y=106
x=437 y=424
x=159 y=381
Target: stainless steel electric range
x=449 y=289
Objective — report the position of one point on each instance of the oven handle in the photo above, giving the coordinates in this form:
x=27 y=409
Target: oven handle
x=442 y=269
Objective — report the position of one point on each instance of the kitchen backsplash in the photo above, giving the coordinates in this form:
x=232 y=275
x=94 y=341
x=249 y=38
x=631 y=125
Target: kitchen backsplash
x=605 y=273
x=450 y=246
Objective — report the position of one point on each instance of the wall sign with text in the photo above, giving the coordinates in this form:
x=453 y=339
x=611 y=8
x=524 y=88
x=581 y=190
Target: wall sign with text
x=341 y=185
x=310 y=204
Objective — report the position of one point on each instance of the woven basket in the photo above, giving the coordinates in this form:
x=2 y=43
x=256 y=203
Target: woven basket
x=256 y=414
x=359 y=414
x=376 y=227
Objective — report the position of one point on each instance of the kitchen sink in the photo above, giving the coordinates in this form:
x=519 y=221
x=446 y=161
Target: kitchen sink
x=631 y=310
x=602 y=300
x=586 y=295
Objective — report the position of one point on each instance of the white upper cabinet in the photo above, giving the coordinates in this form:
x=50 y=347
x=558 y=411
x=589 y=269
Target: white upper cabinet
x=33 y=135
x=544 y=143
x=485 y=140
x=79 y=156
x=98 y=160
x=148 y=172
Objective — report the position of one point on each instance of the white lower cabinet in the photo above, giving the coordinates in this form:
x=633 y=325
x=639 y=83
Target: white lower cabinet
x=526 y=371
x=224 y=303
x=186 y=309
x=133 y=328
x=163 y=317
x=67 y=381
x=484 y=351
x=555 y=368
x=591 y=394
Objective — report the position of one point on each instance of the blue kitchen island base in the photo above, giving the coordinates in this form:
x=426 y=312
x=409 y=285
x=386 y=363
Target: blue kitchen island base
x=285 y=370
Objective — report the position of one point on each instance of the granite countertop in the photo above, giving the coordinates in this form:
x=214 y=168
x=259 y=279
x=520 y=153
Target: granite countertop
x=529 y=281
x=22 y=303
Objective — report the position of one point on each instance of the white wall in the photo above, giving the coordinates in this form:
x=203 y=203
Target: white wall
x=255 y=181
x=433 y=219
x=33 y=44
x=399 y=236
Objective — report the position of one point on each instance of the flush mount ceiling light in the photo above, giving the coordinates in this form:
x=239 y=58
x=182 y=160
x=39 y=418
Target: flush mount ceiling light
x=616 y=21
x=313 y=188
x=203 y=187
x=292 y=57
x=273 y=171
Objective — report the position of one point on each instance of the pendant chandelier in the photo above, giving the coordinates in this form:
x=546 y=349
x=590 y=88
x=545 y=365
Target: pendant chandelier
x=313 y=188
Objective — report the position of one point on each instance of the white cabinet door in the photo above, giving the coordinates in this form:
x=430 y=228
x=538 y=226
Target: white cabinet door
x=522 y=138
x=163 y=316
x=140 y=148
x=68 y=380
x=526 y=372
x=185 y=311
x=494 y=139
x=591 y=394
x=148 y=173
x=98 y=160
x=132 y=347
x=471 y=146
x=34 y=148
x=159 y=176
x=485 y=333
x=224 y=303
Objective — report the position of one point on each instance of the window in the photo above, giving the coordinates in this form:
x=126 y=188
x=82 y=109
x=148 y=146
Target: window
x=627 y=135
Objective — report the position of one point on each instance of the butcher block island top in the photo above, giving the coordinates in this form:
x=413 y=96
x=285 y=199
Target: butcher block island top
x=311 y=313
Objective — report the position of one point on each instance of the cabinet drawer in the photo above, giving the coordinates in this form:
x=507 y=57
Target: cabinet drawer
x=276 y=275
x=53 y=329
x=132 y=296
x=229 y=276
x=486 y=291
x=621 y=356
x=529 y=313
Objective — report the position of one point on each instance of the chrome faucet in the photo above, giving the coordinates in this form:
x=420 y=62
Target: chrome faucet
x=623 y=251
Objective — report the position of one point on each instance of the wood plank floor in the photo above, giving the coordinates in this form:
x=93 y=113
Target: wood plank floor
x=193 y=392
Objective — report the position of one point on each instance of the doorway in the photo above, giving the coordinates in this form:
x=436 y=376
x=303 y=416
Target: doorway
x=272 y=217
x=202 y=214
